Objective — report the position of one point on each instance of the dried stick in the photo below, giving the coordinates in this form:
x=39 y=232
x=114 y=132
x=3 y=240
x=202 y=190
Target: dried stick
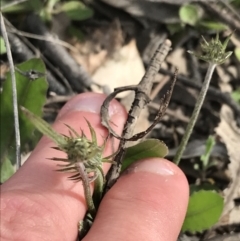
x=142 y=92
x=14 y=93
x=49 y=39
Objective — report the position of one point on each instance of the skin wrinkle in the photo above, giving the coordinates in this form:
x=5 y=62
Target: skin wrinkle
x=138 y=194
x=35 y=207
x=130 y=222
x=20 y=207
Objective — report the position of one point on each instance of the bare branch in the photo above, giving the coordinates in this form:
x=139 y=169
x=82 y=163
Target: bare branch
x=142 y=92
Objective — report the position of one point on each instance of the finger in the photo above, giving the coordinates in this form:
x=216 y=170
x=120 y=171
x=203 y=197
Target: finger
x=54 y=198
x=148 y=202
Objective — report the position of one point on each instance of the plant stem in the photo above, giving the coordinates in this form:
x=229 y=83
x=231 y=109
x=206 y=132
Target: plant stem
x=195 y=113
x=11 y=4
x=98 y=187
x=14 y=93
x=87 y=189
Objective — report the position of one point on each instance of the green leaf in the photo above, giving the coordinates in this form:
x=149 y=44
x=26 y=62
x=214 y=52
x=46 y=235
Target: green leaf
x=237 y=53
x=48 y=10
x=32 y=95
x=204 y=210
x=76 y=10
x=7 y=170
x=210 y=143
x=217 y=26
x=2 y=46
x=189 y=14
x=44 y=127
x=145 y=149
x=32 y=5
x=204 y=186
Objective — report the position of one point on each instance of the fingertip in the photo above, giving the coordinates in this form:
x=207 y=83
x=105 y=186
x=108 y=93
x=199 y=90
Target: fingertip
x=91 y=103
x=148 y=202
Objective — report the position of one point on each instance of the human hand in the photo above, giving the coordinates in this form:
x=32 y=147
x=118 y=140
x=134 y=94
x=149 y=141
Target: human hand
x=148 y=202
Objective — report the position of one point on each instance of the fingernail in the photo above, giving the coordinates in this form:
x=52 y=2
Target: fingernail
x=88 y=102
x=153 y=165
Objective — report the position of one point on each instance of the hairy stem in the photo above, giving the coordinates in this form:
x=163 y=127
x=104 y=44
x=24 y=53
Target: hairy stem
x=87 y=188
x=195 y=113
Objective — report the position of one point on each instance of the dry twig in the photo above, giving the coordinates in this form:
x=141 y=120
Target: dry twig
x=142 y=92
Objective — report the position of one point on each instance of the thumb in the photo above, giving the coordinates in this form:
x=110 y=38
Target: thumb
x=148 y=202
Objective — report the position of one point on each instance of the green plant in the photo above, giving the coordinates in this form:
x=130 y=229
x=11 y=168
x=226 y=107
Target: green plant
x=190 y=14
x=204 y=210
x=32 y=94
x=210 y=143
x=194 y=16
x=202 y=205
x=75 y=10
x=84 y=158
x=215 y=53
x=145 y=149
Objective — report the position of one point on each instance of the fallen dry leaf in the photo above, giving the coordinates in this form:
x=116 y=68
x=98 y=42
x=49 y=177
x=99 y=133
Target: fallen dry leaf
x=123 y=68
x=230 y=135
x=100 y=45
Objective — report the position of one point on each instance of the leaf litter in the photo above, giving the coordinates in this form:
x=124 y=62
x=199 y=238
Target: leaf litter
x=230 y=135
